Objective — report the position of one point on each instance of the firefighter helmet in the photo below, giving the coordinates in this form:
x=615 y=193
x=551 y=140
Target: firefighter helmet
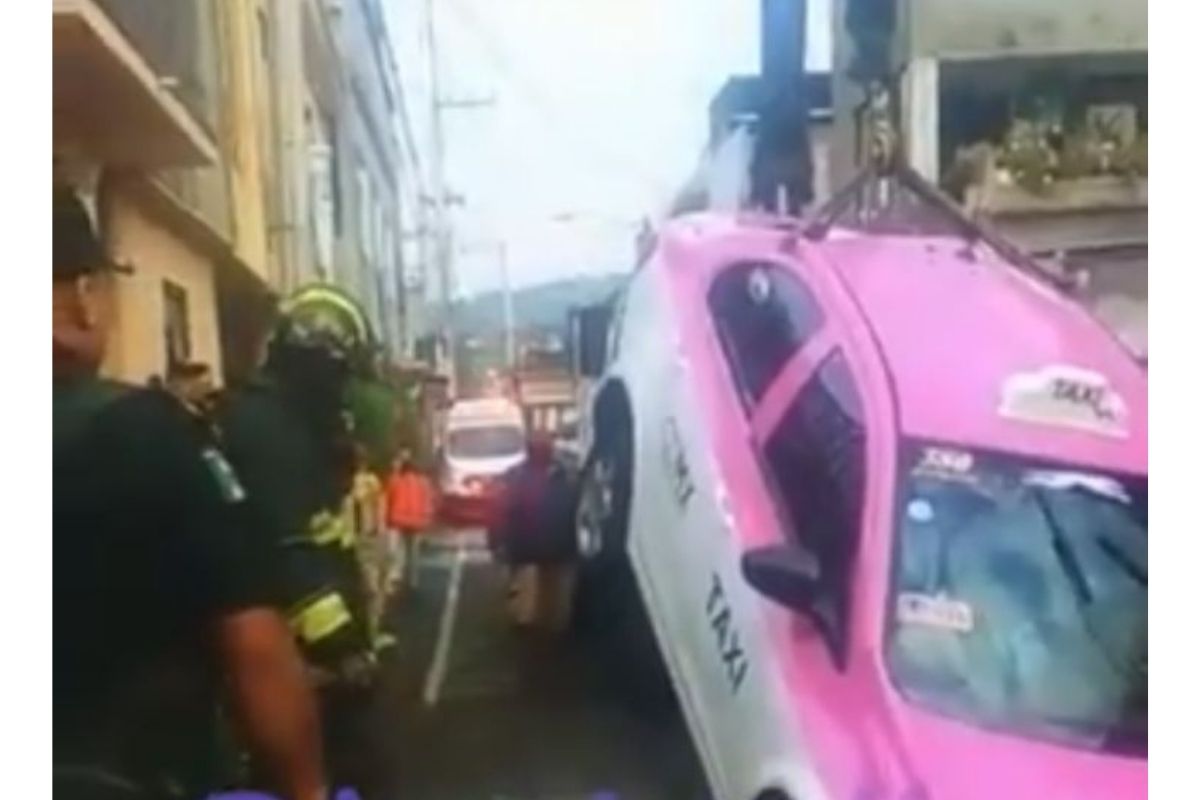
x=324 y=317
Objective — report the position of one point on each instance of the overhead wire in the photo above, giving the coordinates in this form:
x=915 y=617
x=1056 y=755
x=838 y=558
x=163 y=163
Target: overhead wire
x=535 y=99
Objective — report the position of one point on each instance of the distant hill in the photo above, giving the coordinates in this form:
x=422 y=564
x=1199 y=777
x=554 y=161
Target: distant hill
x=543 y=306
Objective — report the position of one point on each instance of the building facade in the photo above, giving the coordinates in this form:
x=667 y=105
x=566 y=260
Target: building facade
x=1035 y=117
x=340 y=167
x=229 y=152
x=157 y=122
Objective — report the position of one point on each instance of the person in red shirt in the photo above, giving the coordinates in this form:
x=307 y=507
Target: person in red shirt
x=409 y=508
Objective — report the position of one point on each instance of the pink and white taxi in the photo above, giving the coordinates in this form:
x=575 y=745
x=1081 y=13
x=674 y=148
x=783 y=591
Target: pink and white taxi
x=883 y=502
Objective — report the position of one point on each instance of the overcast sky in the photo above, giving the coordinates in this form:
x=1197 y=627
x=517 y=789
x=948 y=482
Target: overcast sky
x=598 y=115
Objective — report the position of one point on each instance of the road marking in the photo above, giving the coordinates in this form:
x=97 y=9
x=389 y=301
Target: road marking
x=440 y=561
x=441 y=653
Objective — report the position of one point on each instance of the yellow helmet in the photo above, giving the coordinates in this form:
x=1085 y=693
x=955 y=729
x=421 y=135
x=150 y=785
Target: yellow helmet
x=322 y=316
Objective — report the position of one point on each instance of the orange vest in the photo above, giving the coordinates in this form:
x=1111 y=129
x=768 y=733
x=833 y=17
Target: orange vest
x=409 y=501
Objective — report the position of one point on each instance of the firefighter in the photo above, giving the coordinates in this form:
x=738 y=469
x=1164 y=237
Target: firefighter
x=288 y=434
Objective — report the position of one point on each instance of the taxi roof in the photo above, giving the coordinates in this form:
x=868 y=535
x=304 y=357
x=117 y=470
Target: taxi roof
x=956 y=326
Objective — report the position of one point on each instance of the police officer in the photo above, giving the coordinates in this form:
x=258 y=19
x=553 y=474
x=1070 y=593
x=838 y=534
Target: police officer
x=288 y=435
x=159 y=592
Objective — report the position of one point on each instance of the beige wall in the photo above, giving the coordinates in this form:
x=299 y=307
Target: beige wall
x=245 y=130
x=138 y=348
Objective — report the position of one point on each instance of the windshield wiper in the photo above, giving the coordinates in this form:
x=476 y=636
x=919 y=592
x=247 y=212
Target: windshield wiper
x=1125 y=736
x=1122 y=560
x=1063 y=551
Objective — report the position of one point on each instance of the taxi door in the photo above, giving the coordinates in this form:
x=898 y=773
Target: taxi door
x=759 y=336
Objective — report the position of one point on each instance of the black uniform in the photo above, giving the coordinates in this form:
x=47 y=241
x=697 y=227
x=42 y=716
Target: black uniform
x=151 y=546
x=297 y=476
x=295 y=462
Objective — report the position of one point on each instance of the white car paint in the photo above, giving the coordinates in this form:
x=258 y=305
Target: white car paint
x=746 y=740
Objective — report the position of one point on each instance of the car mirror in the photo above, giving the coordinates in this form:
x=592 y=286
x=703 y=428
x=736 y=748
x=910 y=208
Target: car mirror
x=785 y=574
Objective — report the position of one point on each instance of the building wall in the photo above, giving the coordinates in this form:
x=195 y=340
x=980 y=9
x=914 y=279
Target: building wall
x=246 y=129
x=342 y=219
x=137 y=236
x=367 y=252
x=973 y=28
x=275 y=83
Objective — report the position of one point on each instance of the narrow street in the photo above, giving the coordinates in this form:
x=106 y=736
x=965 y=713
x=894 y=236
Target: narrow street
x=475 y=709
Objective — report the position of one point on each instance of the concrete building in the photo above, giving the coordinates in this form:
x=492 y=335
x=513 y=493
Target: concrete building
x=370 y=254
x=993 y=88
x=338 y=155
x=151 y=122
x=230 y=152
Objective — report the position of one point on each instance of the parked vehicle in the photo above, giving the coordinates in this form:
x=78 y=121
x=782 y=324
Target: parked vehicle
x=878 y=503
x=483 y=439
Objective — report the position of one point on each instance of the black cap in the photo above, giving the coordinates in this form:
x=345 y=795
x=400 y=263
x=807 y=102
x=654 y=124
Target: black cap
x=77 y=249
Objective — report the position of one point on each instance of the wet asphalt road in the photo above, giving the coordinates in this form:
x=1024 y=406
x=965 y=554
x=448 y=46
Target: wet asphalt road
x=472 y=708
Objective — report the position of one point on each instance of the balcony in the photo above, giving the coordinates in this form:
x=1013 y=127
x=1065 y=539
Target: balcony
x=130 y=83
x=958 y=29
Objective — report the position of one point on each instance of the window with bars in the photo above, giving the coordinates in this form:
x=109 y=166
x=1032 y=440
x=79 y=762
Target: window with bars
x=177 y=336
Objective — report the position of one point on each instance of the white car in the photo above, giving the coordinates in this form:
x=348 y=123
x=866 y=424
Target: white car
x=483 y=439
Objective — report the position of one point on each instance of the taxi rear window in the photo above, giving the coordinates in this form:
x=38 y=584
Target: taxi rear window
x=763 y=314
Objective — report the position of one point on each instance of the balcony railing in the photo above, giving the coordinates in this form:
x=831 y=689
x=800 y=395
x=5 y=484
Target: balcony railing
x=178 y=39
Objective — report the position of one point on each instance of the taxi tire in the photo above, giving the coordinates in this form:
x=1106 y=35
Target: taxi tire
x=593 y=587
x=608 y=606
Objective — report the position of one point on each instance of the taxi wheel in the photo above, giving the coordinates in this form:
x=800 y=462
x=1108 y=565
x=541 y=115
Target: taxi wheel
x=609 y=609
x=602 y=516
x=601 y=522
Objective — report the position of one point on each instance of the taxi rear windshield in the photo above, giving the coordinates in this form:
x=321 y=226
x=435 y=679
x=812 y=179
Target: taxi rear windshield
x=1019 y=596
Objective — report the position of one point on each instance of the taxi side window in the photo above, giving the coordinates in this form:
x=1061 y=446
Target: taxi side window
x=616 y=326
x=816 y=462
x=763 y=315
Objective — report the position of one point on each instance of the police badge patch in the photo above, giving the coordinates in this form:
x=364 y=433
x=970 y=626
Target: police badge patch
x=222 y=472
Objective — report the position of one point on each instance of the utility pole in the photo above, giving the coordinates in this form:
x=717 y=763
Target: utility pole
x=442 y=229
x=439 y=221
x=510 y=334
x=781 y=170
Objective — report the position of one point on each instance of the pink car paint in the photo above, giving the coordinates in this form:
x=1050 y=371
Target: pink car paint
x=931 y=332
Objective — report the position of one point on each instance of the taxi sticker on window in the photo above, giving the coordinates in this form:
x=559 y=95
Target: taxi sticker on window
x=945 y=461
x=947 y=464
x=920 y=510
x=1066 y=397
x=935 y=611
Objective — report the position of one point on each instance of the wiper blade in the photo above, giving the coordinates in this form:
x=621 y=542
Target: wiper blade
x=1064 y=552
x=1122 y=560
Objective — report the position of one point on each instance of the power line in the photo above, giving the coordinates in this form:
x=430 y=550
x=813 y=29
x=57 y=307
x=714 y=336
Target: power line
x=536 y=100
